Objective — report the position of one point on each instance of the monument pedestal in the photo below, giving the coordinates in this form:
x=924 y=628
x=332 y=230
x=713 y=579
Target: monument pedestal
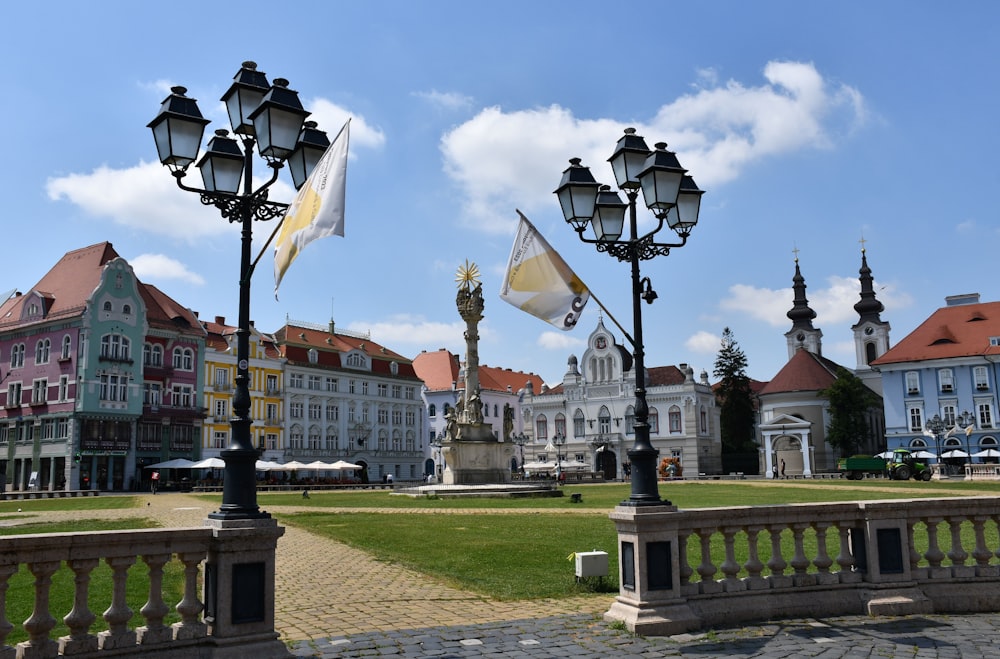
x=475 y=457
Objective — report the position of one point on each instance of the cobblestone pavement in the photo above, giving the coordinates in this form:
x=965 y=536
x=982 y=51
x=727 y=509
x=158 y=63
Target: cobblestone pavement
x=334 y=601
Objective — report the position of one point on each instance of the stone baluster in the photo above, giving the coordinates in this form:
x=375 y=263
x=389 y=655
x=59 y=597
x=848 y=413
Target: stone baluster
x=776 y=564
x=686 y=571
x=80 y=618
x=822 y=560
x=799 y=561
x=730 y=567
x=155 y=609
x=118 y=614
x=845 y=559
x=934 y=554
x=753 y=566
x=981 y=553
x=957 y=554
x=41 y=622
x=6 y=627
x=190 y=607
x=706 y=569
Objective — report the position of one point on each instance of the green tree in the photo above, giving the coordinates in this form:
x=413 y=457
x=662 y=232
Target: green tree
x=849 y=402
x=735 y=396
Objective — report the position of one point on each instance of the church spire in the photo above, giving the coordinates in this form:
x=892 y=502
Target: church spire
x=801 y=314
x=868 y=307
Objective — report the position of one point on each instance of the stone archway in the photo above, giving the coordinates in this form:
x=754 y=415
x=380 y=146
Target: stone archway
x=788 y=449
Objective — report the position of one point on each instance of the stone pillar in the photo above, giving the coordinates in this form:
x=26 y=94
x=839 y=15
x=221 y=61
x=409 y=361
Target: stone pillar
x=649 y=599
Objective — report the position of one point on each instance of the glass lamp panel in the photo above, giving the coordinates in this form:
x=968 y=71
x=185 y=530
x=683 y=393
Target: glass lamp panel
x=577 y=193
x=609 y=216
x=178 y=129
x=661 y=179
x=688 y=205
x=629 y=159
x=277 y=121
x=310 y=148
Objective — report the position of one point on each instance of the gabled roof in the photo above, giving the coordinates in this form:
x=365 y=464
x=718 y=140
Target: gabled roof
x=217 y=331
x=438 y=369
x=163 y=311
x=962 y=330
x=492 y=378
x=67 y=286
x=294 y=340
x=805 y=371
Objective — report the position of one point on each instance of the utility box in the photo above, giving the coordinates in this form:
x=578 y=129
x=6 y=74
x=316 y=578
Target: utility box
x=591 y=564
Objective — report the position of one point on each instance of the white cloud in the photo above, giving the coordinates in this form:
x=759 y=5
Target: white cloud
x=446 y=100
x=505 y=160
x=330 y=117
x=704 y=343
x=153 y=267
x=410 y=330
x=762 y=304
x=559 y=341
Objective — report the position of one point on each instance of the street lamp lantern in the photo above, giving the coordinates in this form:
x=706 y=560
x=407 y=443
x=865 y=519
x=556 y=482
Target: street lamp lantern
x=268 y=119
x=311 y=146
x=222 y=165
x=178 y=129
x=577 y=194
x=675 y=201
x=661 y=179
x=277 y=121
x=609 y=215
x=244 y=96
x=629 y=159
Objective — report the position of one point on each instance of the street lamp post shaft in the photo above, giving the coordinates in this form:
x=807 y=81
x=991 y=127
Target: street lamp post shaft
x=239 y=490
x=642 y=455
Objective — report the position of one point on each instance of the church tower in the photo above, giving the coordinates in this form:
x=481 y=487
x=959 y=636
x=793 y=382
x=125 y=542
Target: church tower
x=802 y=335
x=871 y=333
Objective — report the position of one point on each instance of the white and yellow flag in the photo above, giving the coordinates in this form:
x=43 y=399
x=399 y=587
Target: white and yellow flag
x=318 y=208
x=539 y=282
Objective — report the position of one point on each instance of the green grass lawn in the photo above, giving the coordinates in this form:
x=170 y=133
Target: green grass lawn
x=68 y=503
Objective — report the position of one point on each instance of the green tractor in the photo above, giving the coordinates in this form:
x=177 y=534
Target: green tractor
x=902 y=466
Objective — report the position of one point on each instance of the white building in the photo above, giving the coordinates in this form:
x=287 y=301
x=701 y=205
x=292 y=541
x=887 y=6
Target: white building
x=586 y=421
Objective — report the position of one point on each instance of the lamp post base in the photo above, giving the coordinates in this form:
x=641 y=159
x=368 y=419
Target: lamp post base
x=239 y=491
x=644 y=479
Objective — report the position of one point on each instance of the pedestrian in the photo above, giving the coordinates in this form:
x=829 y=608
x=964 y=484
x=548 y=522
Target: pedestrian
x=154 y=481
x=782 y=467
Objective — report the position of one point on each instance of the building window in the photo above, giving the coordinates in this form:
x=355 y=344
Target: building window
x=42 y=349
x=221 y=438
x=295 y=410
x=541 y=428
x=315 y=411
x=579 y=424
x=674 y=419
x=315 y=382
x=272 y=441
x=397 y=417
x=14 y=394
x=115 y=347
x=604 y=421
x=17 y=356
x=916 y=419
x=221 y=409
x=704 y=420
x=152 y=393
x=948 y=415
x=67 y=346
x=332 y=413
x=383 y=417
x=946 y=380
x=980 y=378
x=39 y=392
x=383 y=390
x=912 y=383
x=397 y=391
x=985 y=413
x=114 y=388
x=182 y=395
x=630 y=420
x=183 y=359
x=331 y=384
x=432 y=411
x=63 y=387
x=654 y=421
x=295 y=380
x=364 y=388
x=560 y=426
x=313 y=355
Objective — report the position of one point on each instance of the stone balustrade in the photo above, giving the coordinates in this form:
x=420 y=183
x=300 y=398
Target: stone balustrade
x=217 y=617
x=682 y=570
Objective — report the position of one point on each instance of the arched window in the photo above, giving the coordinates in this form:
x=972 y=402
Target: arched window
x=127 y=309
x=560 y=428
x=432 y=410
x=183 y=359
x=541 y=427
x=107 y=306
x=579 y=424
x=604 y=421
x=674 y=419
x=654 y=420
x=67 y=346
x=116 y=347
x=42 y=351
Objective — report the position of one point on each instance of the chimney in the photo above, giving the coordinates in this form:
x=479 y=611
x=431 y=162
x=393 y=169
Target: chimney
x=220 y=320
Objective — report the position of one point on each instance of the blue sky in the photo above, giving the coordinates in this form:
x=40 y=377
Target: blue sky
x=810 y=125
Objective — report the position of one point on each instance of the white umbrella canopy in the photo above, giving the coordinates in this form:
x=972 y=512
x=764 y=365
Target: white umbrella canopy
x=341 y=465
x=539 y=466
x=987 y=453
x=319 y=465
x=294 y=465
x=955 y=453
x=884 y=454
x=267 y=465
x=176 y=463
x=209 y=463
x=923 y=455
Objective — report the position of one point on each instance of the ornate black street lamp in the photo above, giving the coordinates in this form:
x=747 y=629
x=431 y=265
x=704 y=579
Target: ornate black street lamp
x=520 y=440
x=271 y=119
x=675 y=201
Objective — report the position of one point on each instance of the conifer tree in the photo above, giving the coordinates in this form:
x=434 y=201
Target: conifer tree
x=735 y=397
x=849 y=403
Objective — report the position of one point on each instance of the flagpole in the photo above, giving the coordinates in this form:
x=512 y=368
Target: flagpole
x=611 y=316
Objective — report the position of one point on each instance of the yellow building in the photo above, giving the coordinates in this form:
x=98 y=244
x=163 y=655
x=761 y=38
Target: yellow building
x=266 y=371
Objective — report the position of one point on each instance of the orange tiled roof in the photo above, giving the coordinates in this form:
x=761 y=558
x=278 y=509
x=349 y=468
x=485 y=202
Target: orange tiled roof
x=962 y=330
x=805 y=371
x=438 y=369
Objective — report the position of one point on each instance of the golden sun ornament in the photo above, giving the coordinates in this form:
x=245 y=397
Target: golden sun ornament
x=467 y=275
